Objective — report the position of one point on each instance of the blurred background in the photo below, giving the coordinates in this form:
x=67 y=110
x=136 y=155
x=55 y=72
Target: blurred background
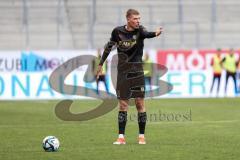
x=86 y=24
x=46 y=33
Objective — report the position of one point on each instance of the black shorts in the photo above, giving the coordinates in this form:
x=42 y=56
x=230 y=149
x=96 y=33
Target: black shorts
x=130 y=84
x=102 y=78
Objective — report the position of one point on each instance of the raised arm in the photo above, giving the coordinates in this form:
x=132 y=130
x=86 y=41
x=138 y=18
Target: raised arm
x=146 y=34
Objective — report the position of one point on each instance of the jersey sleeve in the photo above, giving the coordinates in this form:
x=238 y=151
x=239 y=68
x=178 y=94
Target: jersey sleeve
x=145 y=34
x=114 y=35
x=108 y=47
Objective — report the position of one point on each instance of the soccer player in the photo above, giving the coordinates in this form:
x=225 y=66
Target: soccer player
x=102 y=76
x=217 y=70
x=148 y=71
x=230 y=64
x=129 y=40
x=238 y=75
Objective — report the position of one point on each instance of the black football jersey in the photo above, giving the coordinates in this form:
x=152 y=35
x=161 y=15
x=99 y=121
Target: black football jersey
x=129 y=44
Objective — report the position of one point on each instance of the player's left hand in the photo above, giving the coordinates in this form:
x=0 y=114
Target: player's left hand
x=159 y=31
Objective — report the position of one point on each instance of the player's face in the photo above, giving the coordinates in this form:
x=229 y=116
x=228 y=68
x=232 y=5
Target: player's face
x=134 y=21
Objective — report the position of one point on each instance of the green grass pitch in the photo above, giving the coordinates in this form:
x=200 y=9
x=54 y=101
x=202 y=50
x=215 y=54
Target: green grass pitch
x=192 y=129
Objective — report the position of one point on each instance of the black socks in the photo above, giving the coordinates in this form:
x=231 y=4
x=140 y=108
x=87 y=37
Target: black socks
x=142 y=118
x=122 y=120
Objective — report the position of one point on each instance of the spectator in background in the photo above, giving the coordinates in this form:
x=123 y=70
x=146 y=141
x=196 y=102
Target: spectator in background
x=230 y=64
x=102 y=76
x=238 y=74
x=148 y=71
x=217 y=70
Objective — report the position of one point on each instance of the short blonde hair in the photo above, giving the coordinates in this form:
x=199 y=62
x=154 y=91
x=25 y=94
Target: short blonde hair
x=131 y=12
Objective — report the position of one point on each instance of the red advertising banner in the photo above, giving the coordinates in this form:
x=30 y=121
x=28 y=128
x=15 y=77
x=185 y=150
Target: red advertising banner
x=189 y=59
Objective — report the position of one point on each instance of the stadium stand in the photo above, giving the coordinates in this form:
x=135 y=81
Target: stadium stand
x=84 y=24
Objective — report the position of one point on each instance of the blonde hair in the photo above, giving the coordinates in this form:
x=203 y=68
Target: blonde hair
x=131 y=12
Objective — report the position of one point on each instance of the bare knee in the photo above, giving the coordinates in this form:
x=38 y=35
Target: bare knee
x=123 y=105
x=139 y=102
